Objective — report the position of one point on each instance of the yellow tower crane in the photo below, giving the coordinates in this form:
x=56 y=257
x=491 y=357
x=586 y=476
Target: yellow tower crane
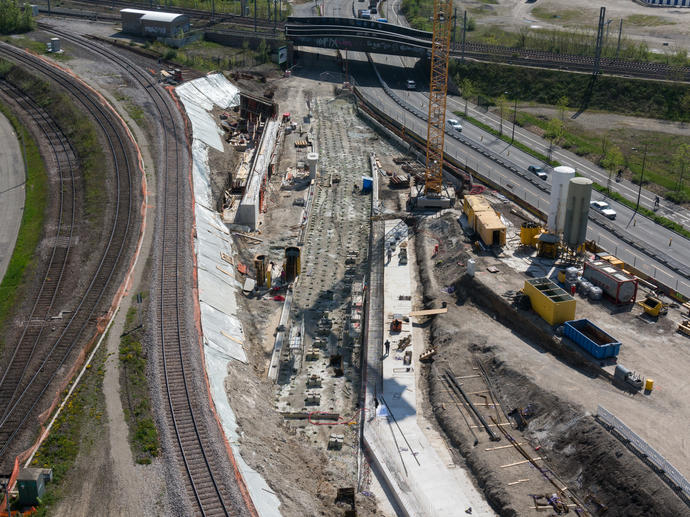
x=436 y=128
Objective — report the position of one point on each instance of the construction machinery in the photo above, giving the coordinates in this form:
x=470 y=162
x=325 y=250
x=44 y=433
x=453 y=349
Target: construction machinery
x=653 y=306
x=436 y=127
x=629 y=377
x=173 y=76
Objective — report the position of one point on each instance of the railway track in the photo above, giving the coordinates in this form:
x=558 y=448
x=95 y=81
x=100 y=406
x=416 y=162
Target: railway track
x=38 y=357
x=539 y=58
x=324 y=31
x=199 y=14
x=206 y=485
x=39 y=315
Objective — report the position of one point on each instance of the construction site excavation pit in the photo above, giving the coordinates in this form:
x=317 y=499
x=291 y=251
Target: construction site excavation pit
x=297 y=401
x=319 y=368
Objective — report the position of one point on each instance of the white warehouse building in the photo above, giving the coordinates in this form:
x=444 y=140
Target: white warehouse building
x=153 y=23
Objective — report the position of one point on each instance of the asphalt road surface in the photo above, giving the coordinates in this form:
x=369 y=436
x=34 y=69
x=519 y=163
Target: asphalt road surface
x=12 y=181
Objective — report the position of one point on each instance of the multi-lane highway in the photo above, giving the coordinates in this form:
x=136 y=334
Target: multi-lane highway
x=635 y=239
x=641 y=230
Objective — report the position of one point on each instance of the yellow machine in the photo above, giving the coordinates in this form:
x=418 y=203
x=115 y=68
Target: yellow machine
x=684 y=327
x=548 y=245
x=436 y=128
x=654 y=306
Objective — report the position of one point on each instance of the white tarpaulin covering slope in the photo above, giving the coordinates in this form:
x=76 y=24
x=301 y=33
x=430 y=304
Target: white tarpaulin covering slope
x=221 y=327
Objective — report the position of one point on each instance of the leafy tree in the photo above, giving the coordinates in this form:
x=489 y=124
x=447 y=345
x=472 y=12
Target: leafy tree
x=471 y=24
x=12 y=19
x=685 y=104
x=468 y=89
x=554 y=132
x=501 y=102
x=562 y=106
x=612 y=161
x=680 y=161
x=262 y=50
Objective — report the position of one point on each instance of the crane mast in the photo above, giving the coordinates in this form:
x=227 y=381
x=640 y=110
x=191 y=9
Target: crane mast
x=436 y=128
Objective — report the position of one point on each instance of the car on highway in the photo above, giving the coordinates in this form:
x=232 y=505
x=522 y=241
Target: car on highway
x=603 y=208
x=455 y=124
x=538 y=171
x=411 y=85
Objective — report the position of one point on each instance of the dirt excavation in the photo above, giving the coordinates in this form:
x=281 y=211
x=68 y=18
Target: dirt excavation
x=482 y=333
x=276 y=438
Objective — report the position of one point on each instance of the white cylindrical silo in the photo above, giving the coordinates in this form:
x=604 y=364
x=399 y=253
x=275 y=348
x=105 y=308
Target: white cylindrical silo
x=312 y=162
x=559 y=190
x=577 y=212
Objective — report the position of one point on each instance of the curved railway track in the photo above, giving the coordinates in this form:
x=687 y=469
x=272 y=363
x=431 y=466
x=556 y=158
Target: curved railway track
x=43 y=355
x=205 y=482
x=37 y=319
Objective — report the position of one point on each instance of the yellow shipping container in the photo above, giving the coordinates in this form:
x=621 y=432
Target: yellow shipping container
x=548 y=300
x=490 y=228
x=473 y=204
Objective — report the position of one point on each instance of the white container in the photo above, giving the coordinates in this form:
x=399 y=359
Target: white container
x=471 y=264
x=560 y=178
x=312 y=162
x=577 y=211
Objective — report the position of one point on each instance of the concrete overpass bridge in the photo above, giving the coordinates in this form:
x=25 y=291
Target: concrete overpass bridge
x=358 y=35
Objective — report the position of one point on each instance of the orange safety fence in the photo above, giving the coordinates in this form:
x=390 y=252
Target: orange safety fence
x=103 y=321
x=197 y=317
x=18 y=513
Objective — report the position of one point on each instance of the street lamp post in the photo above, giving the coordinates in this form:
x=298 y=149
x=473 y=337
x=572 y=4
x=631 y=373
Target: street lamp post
x=639 y=191
x=512 y=137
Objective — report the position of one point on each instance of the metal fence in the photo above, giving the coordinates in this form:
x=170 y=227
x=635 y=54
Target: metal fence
x=645 y=450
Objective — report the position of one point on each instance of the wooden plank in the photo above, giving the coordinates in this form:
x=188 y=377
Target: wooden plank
x=490 y=425
x=502 y=447
x=225 y=271
x=548 y=507
x=242 y=234
x=231 y=337
x=519 y=462
x=302 y=415
x=429 y=312
x=518 y=481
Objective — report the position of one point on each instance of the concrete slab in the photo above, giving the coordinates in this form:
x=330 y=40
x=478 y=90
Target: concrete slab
x=12 y=180
x=423 y=482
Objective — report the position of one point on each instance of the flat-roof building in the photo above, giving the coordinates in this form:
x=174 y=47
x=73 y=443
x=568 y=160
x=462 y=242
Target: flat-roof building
x=153 y=23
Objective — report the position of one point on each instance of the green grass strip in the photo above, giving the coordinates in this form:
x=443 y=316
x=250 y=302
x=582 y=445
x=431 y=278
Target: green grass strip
x=24 y=255
x=77 y=430
x=136 y=402
x=658 y=219
x=518 y=145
